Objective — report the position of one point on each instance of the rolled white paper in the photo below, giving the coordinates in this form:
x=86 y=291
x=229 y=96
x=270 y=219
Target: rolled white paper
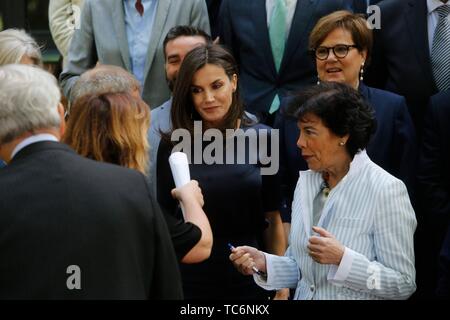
x=180 y=170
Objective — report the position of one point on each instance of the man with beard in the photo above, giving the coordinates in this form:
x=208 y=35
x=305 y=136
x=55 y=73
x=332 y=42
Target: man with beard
x=178 y=42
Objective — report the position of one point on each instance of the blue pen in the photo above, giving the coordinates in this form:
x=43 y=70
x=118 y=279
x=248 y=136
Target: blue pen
x=255 y=269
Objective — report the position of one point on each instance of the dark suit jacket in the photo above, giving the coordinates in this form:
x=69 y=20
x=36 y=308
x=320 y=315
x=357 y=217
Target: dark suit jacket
x=393 y=146
x=243 y=28
x=443 y=287
x=59 y=209
x=434 y=182
x=213 y=12
x=401 y=56
x=434 y=165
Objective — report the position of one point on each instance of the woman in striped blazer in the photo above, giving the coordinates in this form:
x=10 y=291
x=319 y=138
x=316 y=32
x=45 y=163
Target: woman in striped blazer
x=353 y=223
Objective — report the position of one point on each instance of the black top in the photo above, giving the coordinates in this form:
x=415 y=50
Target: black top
x=236 y=199
x=184 y=235
x=59 y=209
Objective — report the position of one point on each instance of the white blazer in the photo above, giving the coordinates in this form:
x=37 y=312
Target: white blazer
x=370 y=213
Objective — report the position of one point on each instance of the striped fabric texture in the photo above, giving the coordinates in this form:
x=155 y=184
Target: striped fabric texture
x=370 y=213
x=440 y=52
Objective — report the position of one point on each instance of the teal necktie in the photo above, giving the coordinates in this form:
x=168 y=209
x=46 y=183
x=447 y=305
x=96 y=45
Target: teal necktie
x=277 y=35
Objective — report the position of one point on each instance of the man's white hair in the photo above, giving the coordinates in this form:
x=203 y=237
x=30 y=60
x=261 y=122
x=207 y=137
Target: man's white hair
x=15 y=44
x=29 y=99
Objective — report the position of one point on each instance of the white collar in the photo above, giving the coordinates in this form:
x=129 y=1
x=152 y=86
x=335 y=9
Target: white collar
x=434 y=4
x=33 y=139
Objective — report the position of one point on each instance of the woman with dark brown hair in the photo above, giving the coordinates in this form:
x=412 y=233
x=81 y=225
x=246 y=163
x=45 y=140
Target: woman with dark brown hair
x=240 y=201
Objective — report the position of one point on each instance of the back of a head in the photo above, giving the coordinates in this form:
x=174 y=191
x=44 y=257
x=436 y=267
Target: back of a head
x=29 y=99
x=15 y=44
x=104 y=79
x=110 y=127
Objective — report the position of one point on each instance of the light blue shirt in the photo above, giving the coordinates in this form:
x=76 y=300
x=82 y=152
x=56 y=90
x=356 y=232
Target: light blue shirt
x=139 y=30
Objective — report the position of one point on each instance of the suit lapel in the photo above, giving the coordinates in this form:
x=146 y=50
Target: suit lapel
x=417 y=25
x=121 y=34
x=299 y=27
x=309 y=186
x=157 y=32
x=261 y=34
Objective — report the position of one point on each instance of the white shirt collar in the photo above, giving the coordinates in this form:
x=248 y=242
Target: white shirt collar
x=33 y=139
x=434 y=4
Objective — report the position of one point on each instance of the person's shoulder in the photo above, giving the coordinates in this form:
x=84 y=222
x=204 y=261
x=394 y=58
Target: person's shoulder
x=385 y=99
x=377 y=176
x=257 y=126
x=104 y=171
x=441 y=100
x=395 y=5
x=164 y=108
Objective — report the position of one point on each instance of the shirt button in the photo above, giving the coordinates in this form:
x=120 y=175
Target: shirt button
x=312 y=288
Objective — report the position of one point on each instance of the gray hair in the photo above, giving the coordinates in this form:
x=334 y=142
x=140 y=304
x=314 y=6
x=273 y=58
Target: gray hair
x=104 y=79
x=15 y=44
x=29 y=99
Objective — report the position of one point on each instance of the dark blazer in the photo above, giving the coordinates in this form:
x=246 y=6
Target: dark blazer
x=59 y=209
x=434 y=183
x=434 y=164
x=434 y=190
x=443 y=287
x=393 y=146
x=401 y=56
x=243 y=28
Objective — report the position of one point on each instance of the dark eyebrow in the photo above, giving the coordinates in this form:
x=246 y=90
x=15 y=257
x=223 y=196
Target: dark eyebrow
x=194 y=85
x=307 y=127
x=176 y=55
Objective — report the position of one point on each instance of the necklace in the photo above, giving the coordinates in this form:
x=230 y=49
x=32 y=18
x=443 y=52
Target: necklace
x=325 y=186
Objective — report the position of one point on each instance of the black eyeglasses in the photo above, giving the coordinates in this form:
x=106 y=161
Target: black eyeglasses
x=340 y=51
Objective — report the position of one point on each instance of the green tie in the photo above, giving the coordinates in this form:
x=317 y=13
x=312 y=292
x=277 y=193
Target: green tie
x=277 y=35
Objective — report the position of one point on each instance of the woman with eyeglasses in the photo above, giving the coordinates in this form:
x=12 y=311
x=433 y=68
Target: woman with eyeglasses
x=341 y=44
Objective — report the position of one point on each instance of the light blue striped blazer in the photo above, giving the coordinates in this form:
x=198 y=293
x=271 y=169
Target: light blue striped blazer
x=370 y=213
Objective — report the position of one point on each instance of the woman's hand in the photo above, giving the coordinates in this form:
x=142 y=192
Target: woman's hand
x=325 y=249
x=244 y=258
x=189 y=192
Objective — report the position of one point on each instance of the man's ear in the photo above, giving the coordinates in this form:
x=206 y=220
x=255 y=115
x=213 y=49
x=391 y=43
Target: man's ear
x=62 y=125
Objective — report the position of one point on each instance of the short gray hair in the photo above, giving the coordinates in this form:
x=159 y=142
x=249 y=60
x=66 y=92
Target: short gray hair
x=104 y=79
x=15 y=44
x=29 y=99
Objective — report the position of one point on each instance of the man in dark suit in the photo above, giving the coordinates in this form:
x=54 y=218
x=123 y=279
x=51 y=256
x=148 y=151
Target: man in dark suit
x=72 y=228
x=213 y=12
x=245 y=29
x=434 y=180
x=401 y=59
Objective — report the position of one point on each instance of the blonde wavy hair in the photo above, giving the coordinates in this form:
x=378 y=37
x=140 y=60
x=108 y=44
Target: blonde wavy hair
x=110 y=127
